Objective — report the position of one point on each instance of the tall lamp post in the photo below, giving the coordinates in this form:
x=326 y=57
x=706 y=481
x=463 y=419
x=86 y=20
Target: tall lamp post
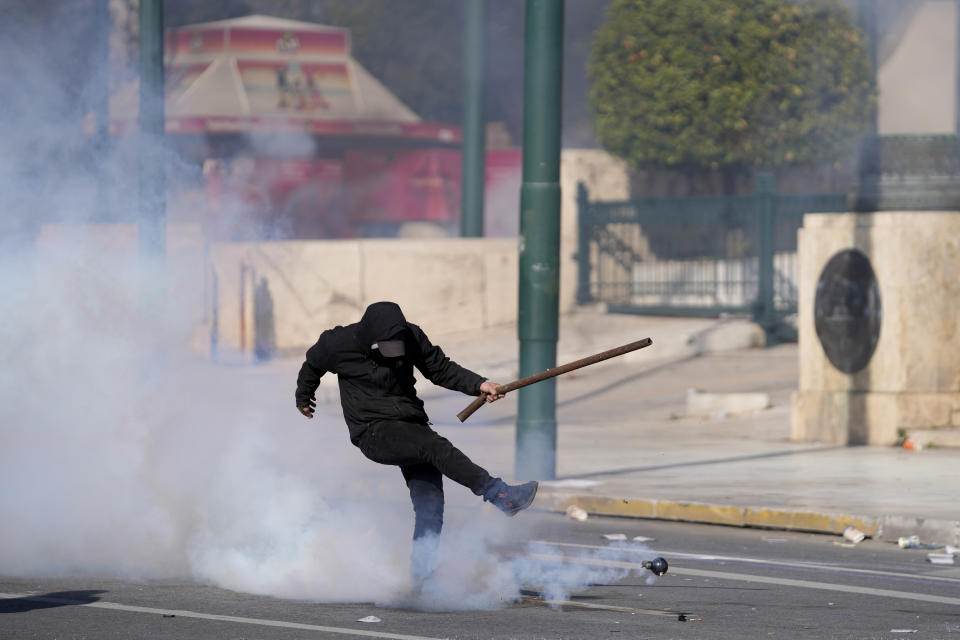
x=473 y=167
x=152 y=221
x=539 y=285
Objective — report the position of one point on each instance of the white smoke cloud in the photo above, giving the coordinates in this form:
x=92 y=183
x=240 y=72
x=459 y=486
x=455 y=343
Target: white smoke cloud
x=124 y=453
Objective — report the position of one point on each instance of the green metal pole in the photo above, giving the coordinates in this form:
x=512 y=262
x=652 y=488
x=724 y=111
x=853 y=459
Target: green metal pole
x=539 y=284
x=101 y=107
x=765 y=188
x=150 y=149
x=474 y=122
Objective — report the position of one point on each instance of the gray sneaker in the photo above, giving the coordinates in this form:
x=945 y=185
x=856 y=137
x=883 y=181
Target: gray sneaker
x=513 y=498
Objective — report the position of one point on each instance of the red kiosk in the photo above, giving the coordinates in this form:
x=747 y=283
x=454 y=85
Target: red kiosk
x=298 y=140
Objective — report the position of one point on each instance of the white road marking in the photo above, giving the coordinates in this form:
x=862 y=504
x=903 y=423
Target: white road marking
x=744 y=577
x=602 y=607
x=779 y=563
x=210 y=616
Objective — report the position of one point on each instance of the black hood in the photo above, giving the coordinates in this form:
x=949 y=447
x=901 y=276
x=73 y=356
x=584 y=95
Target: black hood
x=381 y=321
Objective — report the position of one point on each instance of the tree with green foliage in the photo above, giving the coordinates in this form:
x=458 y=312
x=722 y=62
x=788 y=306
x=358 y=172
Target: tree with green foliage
x=730 y=84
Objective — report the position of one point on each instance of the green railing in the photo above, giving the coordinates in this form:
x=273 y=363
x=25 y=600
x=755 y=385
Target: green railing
x=698 y=256
x=909 y=173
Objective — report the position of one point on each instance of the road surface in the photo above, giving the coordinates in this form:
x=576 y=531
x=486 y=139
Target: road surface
x=723 y=583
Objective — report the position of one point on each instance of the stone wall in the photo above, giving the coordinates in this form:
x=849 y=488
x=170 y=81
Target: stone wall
x=296 y=289
x=917 y=80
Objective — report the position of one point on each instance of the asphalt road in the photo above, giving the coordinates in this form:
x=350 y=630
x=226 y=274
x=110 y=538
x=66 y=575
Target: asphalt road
x=726 y=583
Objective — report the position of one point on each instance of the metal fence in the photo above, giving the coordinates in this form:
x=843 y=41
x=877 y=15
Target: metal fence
x=697 y=256
x=909 y=173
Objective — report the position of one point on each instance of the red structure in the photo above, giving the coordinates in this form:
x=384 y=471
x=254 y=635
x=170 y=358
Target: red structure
x=298 y=140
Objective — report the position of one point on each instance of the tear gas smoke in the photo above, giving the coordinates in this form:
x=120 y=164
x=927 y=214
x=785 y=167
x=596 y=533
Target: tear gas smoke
x=183 y=470
x=124 y=453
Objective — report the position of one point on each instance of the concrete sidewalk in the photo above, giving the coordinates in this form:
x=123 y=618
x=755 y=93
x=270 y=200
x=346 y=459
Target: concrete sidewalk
x=627 y=448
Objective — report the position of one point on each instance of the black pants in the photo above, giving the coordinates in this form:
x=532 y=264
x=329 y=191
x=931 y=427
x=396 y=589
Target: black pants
x=424 y=457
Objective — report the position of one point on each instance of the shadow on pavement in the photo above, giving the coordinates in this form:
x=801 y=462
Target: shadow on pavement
x=646 y=373
x=698 y=463
x=595 y=392
x=49 y=601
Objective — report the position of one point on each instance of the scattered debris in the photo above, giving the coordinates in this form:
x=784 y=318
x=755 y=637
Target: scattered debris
x=952 y=549
x=849 y=545
x=912 y=445
x=615 y=536
x=853 y=534
x=575 y=512
x=643 y=539
x=370 y=619
x=908 y=542
x=169 y=615
x=913 y=542
x=952 y=628
x=903 y=630
x=940 y=558
x=682 y=617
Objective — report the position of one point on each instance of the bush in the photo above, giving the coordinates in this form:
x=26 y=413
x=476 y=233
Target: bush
x=721 y=84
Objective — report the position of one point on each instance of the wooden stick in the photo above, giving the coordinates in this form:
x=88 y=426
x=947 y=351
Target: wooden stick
x=554 y=372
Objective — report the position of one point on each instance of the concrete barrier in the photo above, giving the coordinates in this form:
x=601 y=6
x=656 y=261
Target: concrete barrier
x=296 y=289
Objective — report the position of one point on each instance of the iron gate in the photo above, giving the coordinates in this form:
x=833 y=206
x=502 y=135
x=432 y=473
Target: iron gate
x=696 y=256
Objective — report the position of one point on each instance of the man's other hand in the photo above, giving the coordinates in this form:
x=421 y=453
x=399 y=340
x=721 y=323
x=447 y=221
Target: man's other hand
x=492 y=391
x=308 y=409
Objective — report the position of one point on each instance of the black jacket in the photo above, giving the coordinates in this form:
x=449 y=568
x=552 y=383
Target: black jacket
x=373 y=388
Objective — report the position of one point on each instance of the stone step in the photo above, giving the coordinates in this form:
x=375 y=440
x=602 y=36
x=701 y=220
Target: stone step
x=947 y=437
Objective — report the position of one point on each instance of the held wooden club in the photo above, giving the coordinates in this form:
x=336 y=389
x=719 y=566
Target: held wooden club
x=554 y=372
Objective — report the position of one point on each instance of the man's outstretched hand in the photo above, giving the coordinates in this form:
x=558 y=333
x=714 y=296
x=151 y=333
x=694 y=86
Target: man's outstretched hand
x=491 y=391
x=308 y=409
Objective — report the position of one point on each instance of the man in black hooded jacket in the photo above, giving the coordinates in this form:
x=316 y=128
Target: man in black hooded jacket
x=374 y=361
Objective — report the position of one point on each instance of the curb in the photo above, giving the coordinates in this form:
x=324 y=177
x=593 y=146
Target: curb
x=888 y=527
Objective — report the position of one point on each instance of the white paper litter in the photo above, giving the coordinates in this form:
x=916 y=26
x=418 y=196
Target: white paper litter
x=643 y=539
x=940 y=558
x=950 y=549
x=615 y=536
x=575 y=512
x=903 y=630
x=853 y=534
x=370 y=619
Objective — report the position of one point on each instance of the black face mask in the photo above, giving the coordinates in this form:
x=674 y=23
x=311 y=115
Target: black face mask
x=384 y=361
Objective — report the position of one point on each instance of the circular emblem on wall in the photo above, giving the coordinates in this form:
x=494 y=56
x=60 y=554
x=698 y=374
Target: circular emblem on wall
x=847 y=311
